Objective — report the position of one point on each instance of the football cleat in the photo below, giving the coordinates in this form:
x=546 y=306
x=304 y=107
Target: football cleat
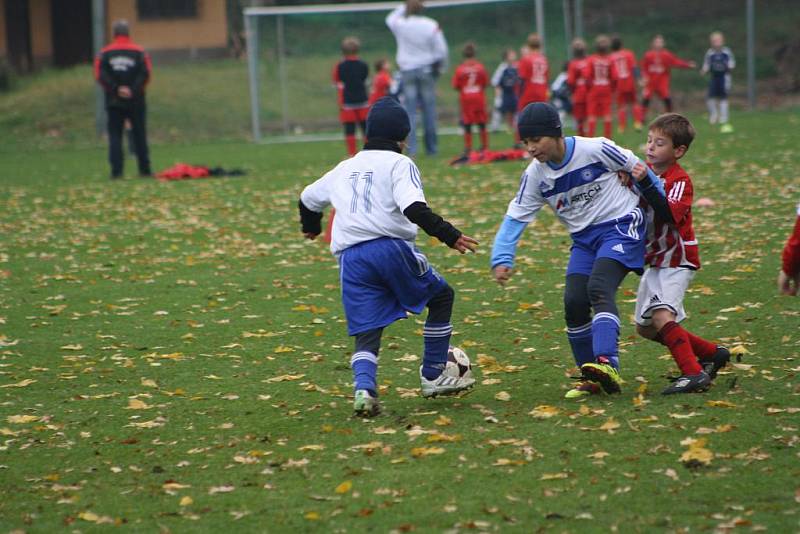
x=444 y=384
x=584 y=388
x=604 y=374
x=719 y=360
x=689 y=384
x=365 y=405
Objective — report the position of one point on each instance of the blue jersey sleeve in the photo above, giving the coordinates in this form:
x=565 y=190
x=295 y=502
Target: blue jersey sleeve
x=505 y=242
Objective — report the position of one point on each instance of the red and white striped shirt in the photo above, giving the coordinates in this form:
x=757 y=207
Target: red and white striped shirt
x=673 y=244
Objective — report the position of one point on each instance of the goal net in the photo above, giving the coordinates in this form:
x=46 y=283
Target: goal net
x=292 y=51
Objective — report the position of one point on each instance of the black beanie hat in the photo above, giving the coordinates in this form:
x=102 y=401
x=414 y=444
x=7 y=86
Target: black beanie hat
x=539 y=120
x=387 y=120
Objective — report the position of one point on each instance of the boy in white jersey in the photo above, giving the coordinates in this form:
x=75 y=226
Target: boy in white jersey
x=672 y=258
x=577 y=178
x=379 y=203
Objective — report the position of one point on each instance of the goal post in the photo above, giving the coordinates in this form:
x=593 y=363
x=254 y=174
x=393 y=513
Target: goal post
x=325 y=24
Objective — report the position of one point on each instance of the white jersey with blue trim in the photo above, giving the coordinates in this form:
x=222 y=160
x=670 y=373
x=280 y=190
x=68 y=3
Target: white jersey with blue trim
x=369 y=192
x=583 y=189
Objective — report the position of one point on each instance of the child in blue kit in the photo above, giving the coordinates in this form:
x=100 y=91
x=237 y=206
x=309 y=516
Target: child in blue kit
x=379 y=202
x=577 y=178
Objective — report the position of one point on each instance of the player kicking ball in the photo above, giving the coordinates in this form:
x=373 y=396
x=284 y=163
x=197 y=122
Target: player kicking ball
x=379 y=202
x=673 y=259
x=577 y=178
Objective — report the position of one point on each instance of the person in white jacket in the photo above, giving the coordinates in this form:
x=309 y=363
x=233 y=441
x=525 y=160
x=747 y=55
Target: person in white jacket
x=421 y=57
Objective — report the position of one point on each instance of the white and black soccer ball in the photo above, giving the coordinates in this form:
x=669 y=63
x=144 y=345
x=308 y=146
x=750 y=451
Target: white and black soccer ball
x=458 y=364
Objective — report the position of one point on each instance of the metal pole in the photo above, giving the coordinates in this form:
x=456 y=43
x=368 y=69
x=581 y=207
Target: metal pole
x=282 y=75
x=98 y=40
x=751 y=54
x=578 y=18
x=567 y=26
x=251 y=33
x=540 y=22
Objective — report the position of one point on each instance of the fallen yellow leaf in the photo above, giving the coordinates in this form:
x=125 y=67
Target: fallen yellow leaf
x=344 y=487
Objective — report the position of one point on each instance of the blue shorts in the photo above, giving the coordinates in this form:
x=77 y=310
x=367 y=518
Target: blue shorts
x=381 y=280
x=622 y=239
x=718 y=87
x=508 y=104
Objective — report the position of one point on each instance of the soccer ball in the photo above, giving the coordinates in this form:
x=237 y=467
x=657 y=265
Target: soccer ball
x=458 y=364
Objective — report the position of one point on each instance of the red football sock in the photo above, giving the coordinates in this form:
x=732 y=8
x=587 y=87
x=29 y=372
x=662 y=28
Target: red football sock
x=484 y=139
x=591 y=125
x=350 y=140
x=638 y=113
x=622 y=119
x=329 y=229
x=703 y=348
x=467 y=141
x=677 y=341
x=607 y=128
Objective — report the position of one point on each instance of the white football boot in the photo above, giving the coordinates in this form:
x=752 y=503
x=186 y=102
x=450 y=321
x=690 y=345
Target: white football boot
x=444 y=385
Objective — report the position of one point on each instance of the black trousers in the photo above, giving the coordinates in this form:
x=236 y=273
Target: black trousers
x=135 y=113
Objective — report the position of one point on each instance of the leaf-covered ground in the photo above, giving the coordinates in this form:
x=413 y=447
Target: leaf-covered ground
x=173 y=356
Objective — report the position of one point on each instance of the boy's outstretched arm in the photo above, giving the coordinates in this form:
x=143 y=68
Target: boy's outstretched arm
x=420 y=214
x=505 y=248
x=311 y=221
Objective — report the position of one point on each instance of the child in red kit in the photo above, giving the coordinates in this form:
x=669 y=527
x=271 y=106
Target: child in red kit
x=470 y=80
x=672 y=258
x=656 y=66
x=789 y=276
x=382 y=81
x=627 y=72
x=350 y=78
x=577 y=84
x=600 y=77
x=534 y=75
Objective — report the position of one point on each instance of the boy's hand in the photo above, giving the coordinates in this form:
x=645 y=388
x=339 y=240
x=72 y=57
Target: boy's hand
x=465 y=243
x=624 y=177
x=502 y=274
x=309 y=235
x=639 y=171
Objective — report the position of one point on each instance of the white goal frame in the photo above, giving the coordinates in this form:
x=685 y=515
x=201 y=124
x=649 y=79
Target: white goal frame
x=252 y=36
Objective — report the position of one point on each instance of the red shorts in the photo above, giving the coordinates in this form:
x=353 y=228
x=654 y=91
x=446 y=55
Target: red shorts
x=579 y=110
x=598 y=105
x=626 y=97
x=531 y=95
x=658 y=86
x=473 y=112
x=353 y=114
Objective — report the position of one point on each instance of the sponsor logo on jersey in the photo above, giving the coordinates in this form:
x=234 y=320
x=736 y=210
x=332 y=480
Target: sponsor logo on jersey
x=122 y=63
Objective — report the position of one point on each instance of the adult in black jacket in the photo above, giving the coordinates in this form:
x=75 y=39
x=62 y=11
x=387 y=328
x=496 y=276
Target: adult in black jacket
x=123 y=69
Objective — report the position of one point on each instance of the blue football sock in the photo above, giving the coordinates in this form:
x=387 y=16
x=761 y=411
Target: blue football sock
x=365 y=371
x=580 y=339
x=605 y=337
x=437 y=342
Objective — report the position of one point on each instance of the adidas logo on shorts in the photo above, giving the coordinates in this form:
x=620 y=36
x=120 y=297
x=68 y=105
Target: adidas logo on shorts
x=654 y=299
x=618 y=248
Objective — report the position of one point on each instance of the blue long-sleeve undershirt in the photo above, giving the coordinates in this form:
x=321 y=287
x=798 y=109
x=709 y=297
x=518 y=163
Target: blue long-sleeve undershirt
x=505 y=242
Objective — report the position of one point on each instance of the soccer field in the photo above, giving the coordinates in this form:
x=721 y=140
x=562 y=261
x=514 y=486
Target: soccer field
x=174 y=358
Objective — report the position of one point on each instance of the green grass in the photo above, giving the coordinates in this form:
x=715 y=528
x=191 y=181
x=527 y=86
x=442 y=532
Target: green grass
x=194 y=298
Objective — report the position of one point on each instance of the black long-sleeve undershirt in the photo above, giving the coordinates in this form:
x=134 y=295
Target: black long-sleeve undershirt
x=420 y=214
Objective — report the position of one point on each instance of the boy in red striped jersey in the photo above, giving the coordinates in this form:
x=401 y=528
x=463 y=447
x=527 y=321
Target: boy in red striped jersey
x=789 y=275
x=673 y=259
x=577 y=84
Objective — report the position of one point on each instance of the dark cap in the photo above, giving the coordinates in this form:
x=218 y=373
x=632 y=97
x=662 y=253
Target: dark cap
x=539 y=120
x=387 y=120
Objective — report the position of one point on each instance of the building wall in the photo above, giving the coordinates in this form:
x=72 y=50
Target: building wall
x=41 y=30
x=208 y=30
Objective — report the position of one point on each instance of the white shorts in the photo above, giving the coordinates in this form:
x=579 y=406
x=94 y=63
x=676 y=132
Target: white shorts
x=662 y=288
